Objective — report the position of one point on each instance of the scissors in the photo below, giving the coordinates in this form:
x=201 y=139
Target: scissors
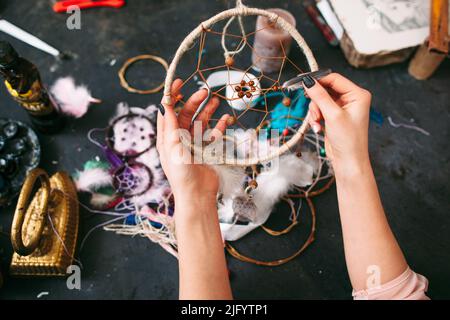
x=297 y=82
x=62 y=6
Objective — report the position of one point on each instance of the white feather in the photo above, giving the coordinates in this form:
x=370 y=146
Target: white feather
x=285 y=172
x=99 y=200
x=92 y=179
x=72 y=100
x=274 y=181
x=230 y=178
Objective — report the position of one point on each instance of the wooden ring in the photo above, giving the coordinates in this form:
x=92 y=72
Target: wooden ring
x=129 y=62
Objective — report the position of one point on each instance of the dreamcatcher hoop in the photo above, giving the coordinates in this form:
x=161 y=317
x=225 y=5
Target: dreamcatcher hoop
x=239 y=11
x=110 y=135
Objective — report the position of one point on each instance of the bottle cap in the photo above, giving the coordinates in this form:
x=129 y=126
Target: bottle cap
x=8 y=55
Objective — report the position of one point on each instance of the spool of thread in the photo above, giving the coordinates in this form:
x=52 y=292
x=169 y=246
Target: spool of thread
x=270 y=41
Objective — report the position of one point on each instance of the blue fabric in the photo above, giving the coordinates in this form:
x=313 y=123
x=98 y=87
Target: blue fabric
x=376 y=116
x=278 y=116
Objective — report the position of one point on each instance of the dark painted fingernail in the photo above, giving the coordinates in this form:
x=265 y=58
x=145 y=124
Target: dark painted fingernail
x=161 y=109
x=308 y=82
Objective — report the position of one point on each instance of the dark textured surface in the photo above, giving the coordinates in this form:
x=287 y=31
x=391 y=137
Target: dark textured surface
x=412 y=169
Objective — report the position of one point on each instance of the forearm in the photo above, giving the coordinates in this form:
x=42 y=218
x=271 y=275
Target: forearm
x=368 y=239
x=202 y=266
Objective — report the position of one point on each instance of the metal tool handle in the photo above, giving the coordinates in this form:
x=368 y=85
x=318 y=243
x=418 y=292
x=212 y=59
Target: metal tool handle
x=297 y=81
x=26 y=37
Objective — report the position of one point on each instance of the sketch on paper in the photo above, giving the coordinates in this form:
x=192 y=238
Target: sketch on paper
x=398 y=15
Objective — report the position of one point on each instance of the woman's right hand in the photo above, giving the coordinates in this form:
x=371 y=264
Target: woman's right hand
x=371 y=250
x=345 y=108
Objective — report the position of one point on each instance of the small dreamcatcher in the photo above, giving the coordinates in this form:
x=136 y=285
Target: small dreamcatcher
x=128 y=179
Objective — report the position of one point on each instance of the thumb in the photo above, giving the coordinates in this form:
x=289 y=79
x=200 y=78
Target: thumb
x=170 y=119
x=320 y=97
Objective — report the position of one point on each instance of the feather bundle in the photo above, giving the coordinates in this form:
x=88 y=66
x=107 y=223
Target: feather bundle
x=274 y=181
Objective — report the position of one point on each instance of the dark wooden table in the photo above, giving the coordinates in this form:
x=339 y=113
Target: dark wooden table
x=412 y=169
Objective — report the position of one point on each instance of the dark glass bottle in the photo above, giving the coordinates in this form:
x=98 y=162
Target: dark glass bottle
x=24 y=84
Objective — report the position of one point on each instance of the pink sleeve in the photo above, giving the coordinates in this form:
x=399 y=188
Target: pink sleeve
x=408 y=286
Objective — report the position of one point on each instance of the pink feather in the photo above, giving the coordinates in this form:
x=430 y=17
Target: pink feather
x=73 y=100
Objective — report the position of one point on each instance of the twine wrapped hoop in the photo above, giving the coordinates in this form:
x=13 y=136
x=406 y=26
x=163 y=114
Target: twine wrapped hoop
x=187 y=43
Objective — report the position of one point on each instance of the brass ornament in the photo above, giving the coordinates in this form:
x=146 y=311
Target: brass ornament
x=44 y=230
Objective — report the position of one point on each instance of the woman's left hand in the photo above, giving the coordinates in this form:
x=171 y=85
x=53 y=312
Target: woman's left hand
x=189 y=181
x=203 y=271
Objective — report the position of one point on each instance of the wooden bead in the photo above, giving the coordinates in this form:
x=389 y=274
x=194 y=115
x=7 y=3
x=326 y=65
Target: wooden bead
x=243 y=83
x=275 y=88
x=253 y=184
x=231 y=121
x=252 y=89
x=251 y=83
x=241 y=94
x=248 y=94
x=287 y=101
x=238 y=88
x=229 y=61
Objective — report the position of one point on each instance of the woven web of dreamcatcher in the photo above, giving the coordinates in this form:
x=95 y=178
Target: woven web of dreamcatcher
x=269 y=82
x=242 y=49
x=132 y=180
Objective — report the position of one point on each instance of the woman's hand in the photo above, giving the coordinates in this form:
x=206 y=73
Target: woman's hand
x=345 y=108
x=368 y=240
x=203 y=271
x=190 y=182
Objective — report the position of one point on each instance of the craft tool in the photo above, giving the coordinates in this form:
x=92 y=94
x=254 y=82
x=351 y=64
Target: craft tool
x=62 y=6
x=28 y=38
x=297 y=82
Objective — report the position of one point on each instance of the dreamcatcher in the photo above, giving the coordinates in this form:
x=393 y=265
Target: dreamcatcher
x=268 y=162
x=248 y=94
x=269 y=111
